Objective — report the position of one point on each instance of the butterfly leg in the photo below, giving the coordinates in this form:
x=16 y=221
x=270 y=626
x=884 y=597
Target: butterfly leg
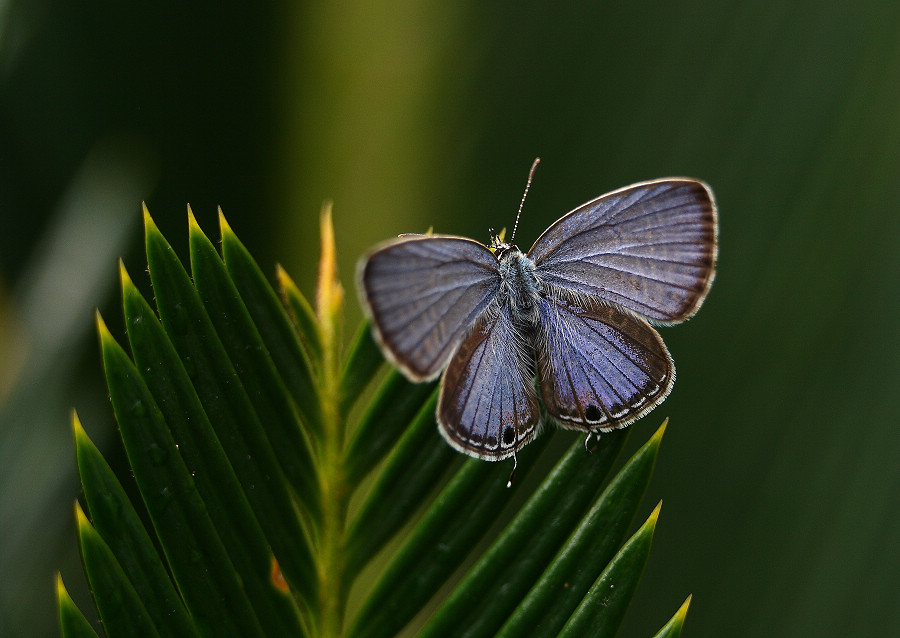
x=587 y=440
x=512 y=475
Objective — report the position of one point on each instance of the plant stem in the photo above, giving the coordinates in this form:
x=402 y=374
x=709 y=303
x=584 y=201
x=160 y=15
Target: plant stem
x=334 y=511
x=331 y=479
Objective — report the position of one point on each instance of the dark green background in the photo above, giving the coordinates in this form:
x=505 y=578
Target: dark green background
x=779 y=472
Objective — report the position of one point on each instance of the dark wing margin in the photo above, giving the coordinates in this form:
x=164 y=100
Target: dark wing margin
x=650 y=247
x=488 y=406
x=600 y=369
x=422 y=294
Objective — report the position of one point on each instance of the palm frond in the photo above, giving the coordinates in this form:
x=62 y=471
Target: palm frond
x=233 y=406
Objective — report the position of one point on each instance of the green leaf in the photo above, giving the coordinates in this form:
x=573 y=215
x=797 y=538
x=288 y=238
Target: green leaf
x=72 y=623
x=456 y=520
x=672 y=629
x=199 y=562
x=410 y=475
x=118 y=523
x=230 y=410
x=601 y=611
x=303 y=315
x=363 y=362
x=282 y=338
x=225 y=501
x=390 y=412
x=525 y=548
x=251 y=360
x=120 y=607
x=551 y=601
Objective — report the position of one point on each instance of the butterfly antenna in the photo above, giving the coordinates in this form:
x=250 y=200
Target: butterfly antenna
x=512 y=475
x=537 y=160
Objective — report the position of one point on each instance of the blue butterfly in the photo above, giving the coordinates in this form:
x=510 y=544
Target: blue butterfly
x=566 y=325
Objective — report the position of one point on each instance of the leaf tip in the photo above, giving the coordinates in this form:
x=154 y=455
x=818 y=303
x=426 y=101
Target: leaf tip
x=283 y=278
x=654 y=515
x=329 y=293
x=77 y=429
x=683 y=610
x=193 y=226
x=148 y=220
x=658 y=435
x=81 y=521
x=124 y=277
x=102 y=330
x=672 y=629
x=224 y=226
x=61 y=593
x=195 y=233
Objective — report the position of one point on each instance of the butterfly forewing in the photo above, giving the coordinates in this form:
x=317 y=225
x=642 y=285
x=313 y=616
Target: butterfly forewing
x=650 y=247
x=423 y=294
x=600 y=368
x=488 y=407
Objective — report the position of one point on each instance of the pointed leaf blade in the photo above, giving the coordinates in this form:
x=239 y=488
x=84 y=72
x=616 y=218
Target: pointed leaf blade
x=394 y=406
x=409 y=476
x=672 y=629
x=296 y=365
x=199 y=562
x=603 y=608
x=524 y=549
x=451 y=527
x=594 y=542
x=363 y=362
x=72 y=623
x=120 y=607
x=301 y=312
x=196 y=441
x=254 y=366
x=115 y=519
x=230 y=410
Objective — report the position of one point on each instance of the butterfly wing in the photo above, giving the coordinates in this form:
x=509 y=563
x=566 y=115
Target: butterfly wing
x=488 y=406
x=423 y=293
x=650 y=247
x=600 y=368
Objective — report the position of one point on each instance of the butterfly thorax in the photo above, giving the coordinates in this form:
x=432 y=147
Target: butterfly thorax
x=519 y=285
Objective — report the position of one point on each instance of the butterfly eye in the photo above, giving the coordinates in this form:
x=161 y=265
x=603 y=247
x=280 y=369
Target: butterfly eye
x=509 y=435
x=592 y=413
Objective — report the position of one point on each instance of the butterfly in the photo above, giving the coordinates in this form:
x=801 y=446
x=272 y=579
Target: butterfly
x=567 y=325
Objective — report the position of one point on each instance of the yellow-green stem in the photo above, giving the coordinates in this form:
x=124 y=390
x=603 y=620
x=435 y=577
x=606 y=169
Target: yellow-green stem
x=334 y=510
x=329 y=300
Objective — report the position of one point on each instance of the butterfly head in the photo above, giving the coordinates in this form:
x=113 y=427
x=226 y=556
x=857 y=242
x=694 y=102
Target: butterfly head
x=500 y=247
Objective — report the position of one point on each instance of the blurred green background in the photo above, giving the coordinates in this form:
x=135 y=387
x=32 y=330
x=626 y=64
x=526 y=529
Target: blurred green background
x=779 y=473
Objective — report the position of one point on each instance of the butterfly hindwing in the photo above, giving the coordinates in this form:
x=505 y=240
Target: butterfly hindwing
x=650 y=247
x=599 y=368
x=488 y=406
x=423 y=293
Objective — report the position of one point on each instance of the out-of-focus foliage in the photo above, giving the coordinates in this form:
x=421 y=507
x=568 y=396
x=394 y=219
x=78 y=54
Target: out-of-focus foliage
x=780 y=488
